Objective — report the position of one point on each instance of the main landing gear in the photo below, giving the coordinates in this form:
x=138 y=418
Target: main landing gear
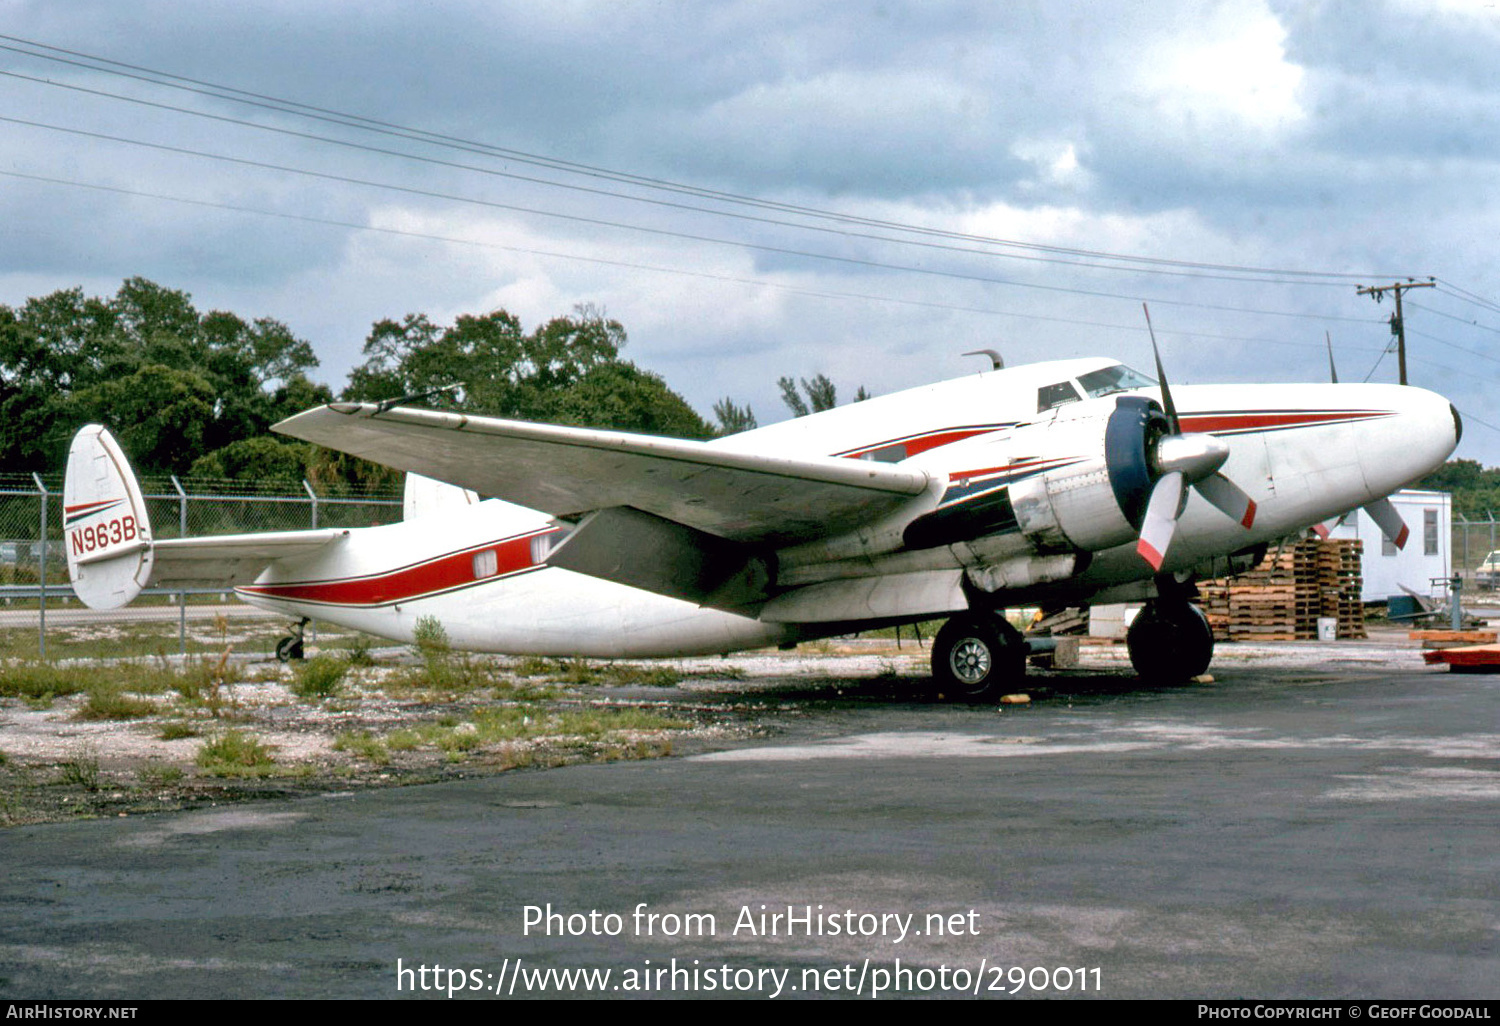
x=1170 y=642
x=290 y=647
x=978 y=656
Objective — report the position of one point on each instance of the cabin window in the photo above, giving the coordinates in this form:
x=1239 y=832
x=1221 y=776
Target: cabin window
x=1049 y=396
x=1429 y=532
x=543 y=544
x=486 y=564
x=886 y=453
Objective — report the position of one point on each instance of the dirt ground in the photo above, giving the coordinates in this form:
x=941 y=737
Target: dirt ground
x=257 y=731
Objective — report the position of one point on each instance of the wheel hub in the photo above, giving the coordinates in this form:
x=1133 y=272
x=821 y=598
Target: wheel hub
x=970 y=661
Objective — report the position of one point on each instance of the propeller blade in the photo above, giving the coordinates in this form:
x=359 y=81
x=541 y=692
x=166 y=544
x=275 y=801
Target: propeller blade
x=1228 y=497
x=1325 y=529
x=1161 y=376
x=1389 y=521
x=1160 y=523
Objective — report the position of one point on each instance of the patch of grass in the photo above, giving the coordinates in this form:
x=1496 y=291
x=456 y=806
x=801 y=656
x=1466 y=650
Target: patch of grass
x=358 y=652
x=109 y=702
x=504 y=726
x=320 y=677
x=365 y=745
x=581 y=671
x=235 y=754
x=534 y=666
x=42 y=682
x=441 y=670
x=3 y=758
x=177 y=730
x=82 y=770
x=155 y=774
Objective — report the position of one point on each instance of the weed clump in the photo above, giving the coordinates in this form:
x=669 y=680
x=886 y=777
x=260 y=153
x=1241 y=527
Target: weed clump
x=109 y=702
x=41 y=682
x=82 y=770
x=364 y=745
x=235 y=754
x=320 y=677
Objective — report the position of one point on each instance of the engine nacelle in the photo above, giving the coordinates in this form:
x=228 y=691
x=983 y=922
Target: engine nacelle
x=1078 y=481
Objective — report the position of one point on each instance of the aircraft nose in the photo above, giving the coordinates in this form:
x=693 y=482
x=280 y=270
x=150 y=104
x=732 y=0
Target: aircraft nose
x=1430 y=428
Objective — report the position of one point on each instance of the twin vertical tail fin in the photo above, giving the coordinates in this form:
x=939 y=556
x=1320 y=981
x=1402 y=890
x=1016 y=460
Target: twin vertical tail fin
x=106 y=529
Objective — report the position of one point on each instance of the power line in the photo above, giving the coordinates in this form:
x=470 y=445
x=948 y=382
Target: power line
x=656 y=268
x=359 y=122
x=533 y=180
x=661 y=232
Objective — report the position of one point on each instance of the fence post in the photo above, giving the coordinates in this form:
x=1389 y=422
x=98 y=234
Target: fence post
x=41 y=573
x=181 y=595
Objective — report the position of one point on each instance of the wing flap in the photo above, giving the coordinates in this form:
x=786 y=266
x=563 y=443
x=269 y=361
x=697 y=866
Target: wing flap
x=567 y=472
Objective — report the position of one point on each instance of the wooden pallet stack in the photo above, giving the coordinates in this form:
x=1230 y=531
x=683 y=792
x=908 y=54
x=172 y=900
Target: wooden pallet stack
x=1283 y=597
x=1342 y=584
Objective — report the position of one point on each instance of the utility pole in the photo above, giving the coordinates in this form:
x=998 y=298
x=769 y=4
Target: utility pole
x=1398 y=324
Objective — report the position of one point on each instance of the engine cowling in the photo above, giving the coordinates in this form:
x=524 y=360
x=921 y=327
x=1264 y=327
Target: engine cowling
x=1079 y=481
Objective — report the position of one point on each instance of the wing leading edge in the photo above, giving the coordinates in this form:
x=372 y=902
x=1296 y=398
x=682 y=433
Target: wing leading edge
x=568 y=472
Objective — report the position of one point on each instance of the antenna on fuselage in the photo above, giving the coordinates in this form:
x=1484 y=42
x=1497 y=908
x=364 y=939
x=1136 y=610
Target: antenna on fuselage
x=996 y=363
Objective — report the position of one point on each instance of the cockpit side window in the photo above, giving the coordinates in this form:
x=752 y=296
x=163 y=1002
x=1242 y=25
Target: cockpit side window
x=1049 y=396
x=1112 y=379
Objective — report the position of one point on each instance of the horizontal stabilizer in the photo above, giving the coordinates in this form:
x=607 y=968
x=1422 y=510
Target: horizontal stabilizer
x=226 y=560
x=568 y=472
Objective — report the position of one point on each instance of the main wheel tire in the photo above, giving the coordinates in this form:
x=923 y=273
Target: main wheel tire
x=977 y=657
x=1170 y=642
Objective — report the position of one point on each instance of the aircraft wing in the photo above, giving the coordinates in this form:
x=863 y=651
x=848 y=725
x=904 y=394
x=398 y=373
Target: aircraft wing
x=230 y=559
x=568 y=472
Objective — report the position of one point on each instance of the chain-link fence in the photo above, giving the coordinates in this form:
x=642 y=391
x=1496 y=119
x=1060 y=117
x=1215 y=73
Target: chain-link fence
x=1475 y=537
x=41 y=618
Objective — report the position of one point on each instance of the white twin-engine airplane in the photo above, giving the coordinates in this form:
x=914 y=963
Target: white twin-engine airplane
x=1060 y=483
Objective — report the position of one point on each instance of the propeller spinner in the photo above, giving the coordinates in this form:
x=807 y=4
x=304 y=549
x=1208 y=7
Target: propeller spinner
x=1183 y=460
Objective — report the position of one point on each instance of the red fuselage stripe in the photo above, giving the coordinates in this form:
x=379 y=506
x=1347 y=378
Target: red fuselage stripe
x=1270 y=420
x=453 y=570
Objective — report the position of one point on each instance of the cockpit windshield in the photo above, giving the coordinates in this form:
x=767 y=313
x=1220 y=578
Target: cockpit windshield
x=1112 y=379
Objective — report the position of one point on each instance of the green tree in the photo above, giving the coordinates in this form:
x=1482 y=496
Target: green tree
x=567 y=371
x=140 y=362
x=733 y=418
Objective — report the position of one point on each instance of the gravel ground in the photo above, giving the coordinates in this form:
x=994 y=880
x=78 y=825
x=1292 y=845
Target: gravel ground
x=380 y=731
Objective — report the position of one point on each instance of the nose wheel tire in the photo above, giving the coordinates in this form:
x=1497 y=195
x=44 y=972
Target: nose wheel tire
x=1170 y=642
x=978 y=657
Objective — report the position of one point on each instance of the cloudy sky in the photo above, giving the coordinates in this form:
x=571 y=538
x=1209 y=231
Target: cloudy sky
x=765 y=188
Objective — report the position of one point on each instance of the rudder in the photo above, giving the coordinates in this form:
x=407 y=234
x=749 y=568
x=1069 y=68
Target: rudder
x=106 y=530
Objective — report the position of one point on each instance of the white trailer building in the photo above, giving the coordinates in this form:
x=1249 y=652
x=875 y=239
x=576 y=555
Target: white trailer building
x=1429 y=517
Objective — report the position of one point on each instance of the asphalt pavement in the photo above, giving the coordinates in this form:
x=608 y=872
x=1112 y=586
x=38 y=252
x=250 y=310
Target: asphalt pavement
x=1320 y=831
